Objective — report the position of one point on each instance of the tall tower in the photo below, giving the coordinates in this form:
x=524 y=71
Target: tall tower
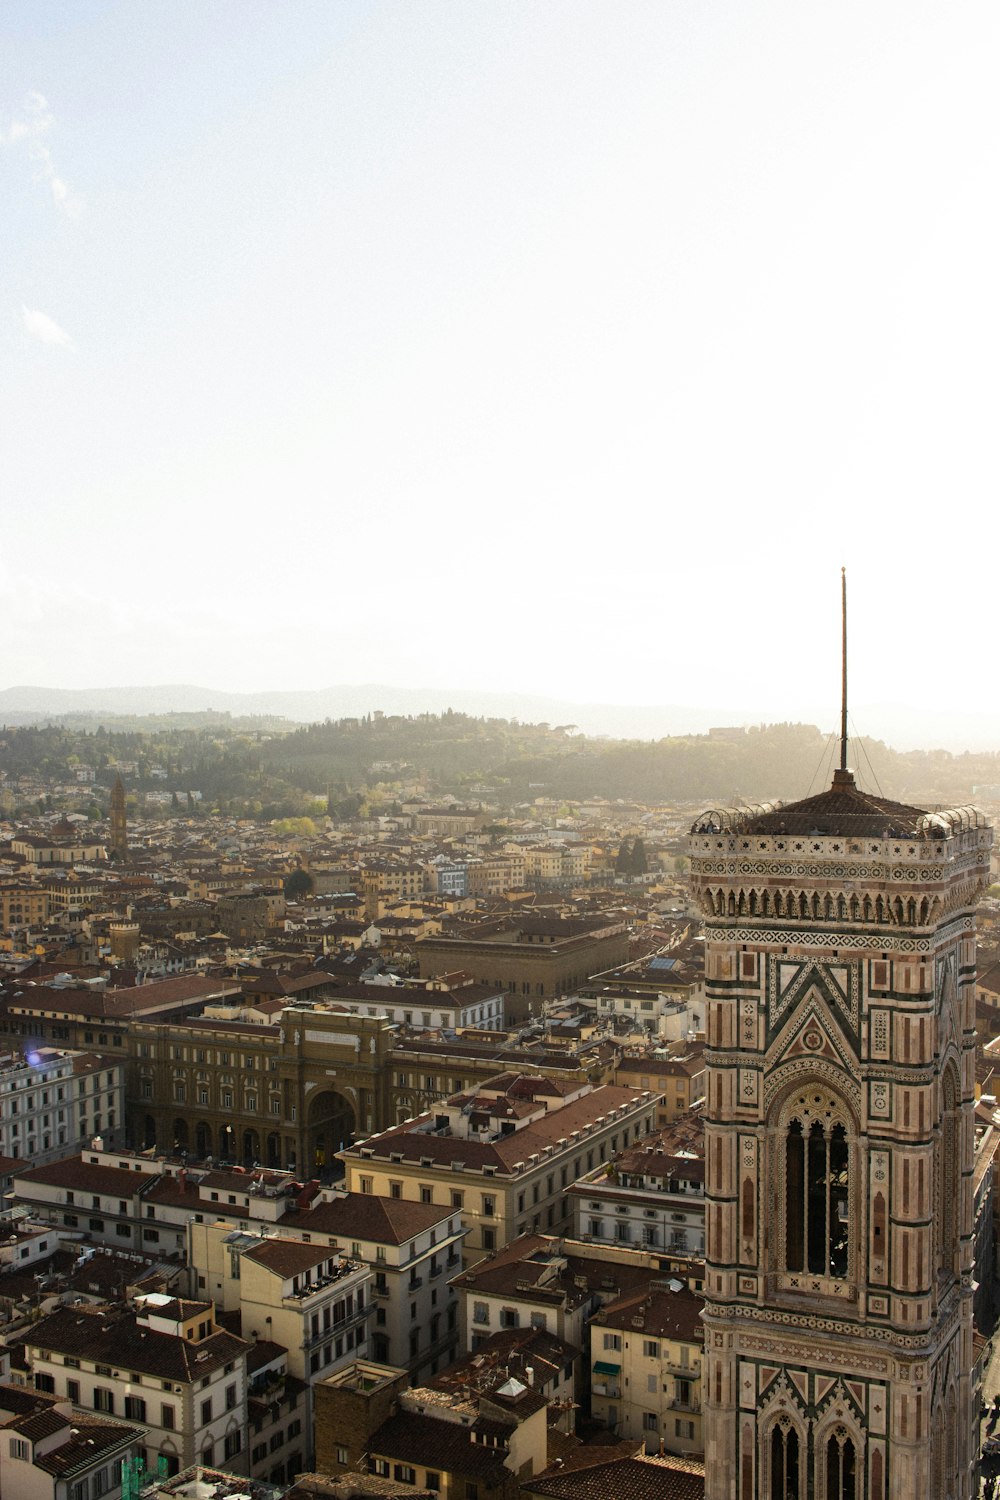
x=840 y=1018
x=119 y=827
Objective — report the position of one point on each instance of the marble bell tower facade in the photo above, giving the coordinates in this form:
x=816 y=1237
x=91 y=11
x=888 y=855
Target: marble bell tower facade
x=840 y=1072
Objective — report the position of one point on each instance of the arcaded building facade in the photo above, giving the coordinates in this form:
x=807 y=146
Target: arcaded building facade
x=840 y=969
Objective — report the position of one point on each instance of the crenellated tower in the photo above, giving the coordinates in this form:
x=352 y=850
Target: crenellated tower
x=840 y=1073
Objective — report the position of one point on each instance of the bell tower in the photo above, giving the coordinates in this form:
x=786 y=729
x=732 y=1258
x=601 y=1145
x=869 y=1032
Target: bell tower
x=839 y=1145
x=119 y=826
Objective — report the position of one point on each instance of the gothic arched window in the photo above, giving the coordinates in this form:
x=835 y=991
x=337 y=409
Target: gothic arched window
x=840 y=1466
x=817 y=1196
x=784 y=1461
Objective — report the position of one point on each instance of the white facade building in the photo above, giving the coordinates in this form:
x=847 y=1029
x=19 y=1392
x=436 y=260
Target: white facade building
x=52 y=1102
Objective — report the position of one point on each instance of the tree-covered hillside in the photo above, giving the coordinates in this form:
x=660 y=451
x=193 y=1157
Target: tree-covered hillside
x=273 y=771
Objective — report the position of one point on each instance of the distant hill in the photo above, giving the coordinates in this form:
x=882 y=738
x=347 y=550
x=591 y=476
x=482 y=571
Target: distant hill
x=894 y=724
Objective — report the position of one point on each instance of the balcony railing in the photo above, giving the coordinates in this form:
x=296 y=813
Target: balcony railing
x=312 y=1340
x=678 y=1405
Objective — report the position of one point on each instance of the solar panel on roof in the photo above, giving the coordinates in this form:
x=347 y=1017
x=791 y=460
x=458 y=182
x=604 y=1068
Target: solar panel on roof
x=663 y=963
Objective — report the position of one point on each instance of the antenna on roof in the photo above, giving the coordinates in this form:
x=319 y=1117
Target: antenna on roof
x=843 y=669
x=843 y=777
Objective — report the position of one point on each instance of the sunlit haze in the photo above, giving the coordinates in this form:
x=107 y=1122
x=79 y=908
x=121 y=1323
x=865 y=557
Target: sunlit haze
x=563 y=349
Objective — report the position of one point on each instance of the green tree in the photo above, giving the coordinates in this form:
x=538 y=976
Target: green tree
x=298 y=884
x=301 y=828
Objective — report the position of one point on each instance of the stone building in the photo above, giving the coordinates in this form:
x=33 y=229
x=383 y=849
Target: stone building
x=533 y=958
x=502 y=1154
x=839 y=1144
x=652 y=1194
x=164 y=1363
x=646 y=1366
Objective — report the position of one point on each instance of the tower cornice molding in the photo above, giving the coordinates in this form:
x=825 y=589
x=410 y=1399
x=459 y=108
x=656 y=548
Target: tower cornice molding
x=883 y=941
x=918 y=1345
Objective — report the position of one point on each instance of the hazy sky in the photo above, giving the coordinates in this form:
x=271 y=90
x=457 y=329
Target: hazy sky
x=565 y=347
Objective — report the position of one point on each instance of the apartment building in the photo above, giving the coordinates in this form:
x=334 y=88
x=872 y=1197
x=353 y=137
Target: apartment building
x=463 y=1443
x=304 y=1295
x=533 y=958
x=162 y=1363
x=550 y=866
x=422 y=1070
x=451 y=1001
x=23 y=905
x=646 y=1354
x=279 y=1415
x=502 y=1155
x=53 y=1101
x=651 y=1195
x=550 y=1283
x=49 y=1451
x=495 y=874
x=134 y=1201
x=676 y=1072
x=413 y=1250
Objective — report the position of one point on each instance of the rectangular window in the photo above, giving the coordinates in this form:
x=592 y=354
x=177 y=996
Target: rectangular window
x=650 y=1348
x=206 y=1412
x=167 y=1417
x=233 y=1444
x=649 y=1421
x=20 y=1448
x=135 y=1409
